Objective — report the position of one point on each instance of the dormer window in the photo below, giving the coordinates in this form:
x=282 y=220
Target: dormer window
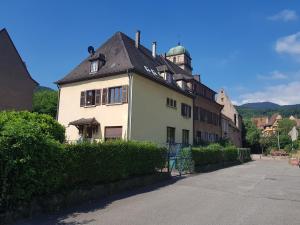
x=94 y=66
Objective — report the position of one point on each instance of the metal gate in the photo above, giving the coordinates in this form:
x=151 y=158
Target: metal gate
x=180 y=159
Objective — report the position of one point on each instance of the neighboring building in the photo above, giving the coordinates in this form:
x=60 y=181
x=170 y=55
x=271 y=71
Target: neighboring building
x=231 y=120
x=260 y=122
x=207 y=112
x=272 y=124
x=296 y=120
x=16 y=84
x=123 y=90
x=269 y=125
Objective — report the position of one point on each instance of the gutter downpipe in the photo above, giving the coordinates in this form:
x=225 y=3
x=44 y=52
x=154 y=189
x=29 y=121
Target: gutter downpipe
x=129 y=120
x=57 y=107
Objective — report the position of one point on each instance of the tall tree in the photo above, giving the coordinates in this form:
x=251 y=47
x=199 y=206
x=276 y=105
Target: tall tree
x=252 y=135
x=45 y=101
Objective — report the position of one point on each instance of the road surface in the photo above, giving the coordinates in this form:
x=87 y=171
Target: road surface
x=260 y=192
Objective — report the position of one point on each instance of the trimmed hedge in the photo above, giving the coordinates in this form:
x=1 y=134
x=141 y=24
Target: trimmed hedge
x=33 y=162
x=215 y=153
x=96 y=163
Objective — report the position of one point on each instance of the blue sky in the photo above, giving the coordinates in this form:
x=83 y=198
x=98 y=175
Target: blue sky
x=250 y=48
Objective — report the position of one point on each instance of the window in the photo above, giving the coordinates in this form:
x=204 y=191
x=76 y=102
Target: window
x=170 y=135
x=185 y=137
x=113 y=133
x=94 y=66
x=186 y=110
x=90 y=97
x=174 y=59
x=171 y=103
x=115 y=95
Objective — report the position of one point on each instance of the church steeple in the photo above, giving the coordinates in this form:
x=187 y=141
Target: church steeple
x=181 y=57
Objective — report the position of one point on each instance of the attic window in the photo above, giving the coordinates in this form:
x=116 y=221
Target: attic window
x=94 y=66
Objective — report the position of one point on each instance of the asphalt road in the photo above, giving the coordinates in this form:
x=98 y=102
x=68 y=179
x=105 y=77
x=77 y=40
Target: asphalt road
x=260 y=192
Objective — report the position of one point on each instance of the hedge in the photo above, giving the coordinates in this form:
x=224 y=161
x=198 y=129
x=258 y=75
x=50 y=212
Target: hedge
x=96 y=163
x=34 y=162
x=215 y=153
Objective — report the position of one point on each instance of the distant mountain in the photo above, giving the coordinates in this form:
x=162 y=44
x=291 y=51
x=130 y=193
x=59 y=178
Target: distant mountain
x=260 y=105
x=256 y=109
x=43 y=88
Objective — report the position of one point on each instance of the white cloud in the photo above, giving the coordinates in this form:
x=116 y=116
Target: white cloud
x=274 y=75
x=283 y=94
x=284 y=15
x=289 y=45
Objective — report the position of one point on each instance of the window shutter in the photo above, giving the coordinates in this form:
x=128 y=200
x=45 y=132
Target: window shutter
x=104 y=96
x=82 y=99
x=125 y=93
x=190 y=109
x=98 y=97
x=182 y=109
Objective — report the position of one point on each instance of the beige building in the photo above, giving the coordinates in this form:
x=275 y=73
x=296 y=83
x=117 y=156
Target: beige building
x=125 y=91
x=231 y=120
x=207 y=112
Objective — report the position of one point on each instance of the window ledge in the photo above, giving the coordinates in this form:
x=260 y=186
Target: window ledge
x=90 y=106
x=111 y=104
x=171 y=107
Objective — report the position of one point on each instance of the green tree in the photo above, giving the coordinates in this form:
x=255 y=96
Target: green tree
x=285 y=126
x=45 y=101
x=252 y=135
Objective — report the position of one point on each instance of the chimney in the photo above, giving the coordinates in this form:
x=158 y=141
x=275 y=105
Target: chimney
x=137 y=38
x=197 y=77
x=154 y=49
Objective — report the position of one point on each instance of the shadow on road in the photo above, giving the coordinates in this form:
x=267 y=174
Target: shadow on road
x=91 y=206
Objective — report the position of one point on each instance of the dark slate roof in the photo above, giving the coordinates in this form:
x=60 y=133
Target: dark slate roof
x=84 y=121
x=121 y=56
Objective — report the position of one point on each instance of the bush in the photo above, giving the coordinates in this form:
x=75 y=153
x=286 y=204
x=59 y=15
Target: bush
x=45 y=123
x=203 y=156
x=34 y=163
x=215 y=153
x=244 y=154
x=230 y=154
x=30 y=162
x=110 y=161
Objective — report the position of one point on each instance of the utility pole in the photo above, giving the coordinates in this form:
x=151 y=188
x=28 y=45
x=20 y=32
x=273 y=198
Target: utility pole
x=278 y=140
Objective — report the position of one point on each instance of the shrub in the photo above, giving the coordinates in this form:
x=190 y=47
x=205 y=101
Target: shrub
x=34 y=163
x=203 y=156
x=244 y=154
x=214 y=153
x=46 y=124
x=214 y=146
x=30 y=162
x=230 y=154
x=110 y=161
